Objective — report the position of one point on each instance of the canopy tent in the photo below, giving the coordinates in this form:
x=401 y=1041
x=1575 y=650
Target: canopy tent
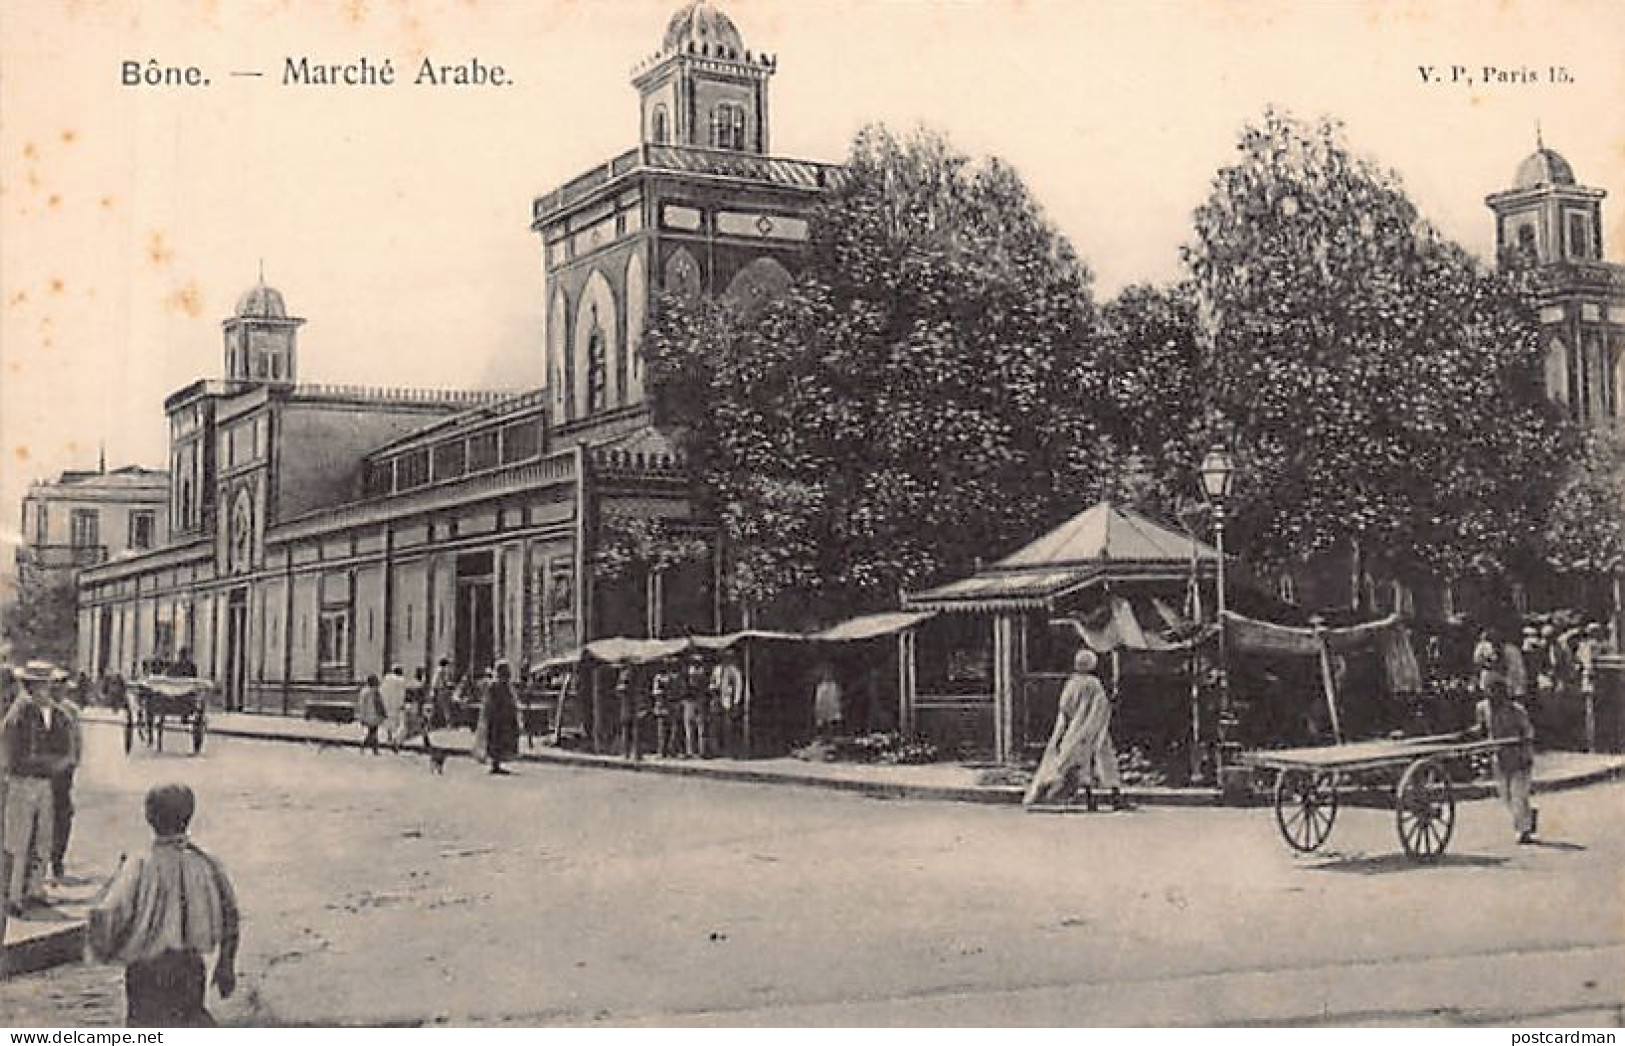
x=623 y=651
x=1110 y=549
x=871 y=626
x=1105 y=543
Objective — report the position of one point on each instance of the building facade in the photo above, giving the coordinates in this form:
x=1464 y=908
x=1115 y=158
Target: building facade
x=323 y=533
x=84 y=518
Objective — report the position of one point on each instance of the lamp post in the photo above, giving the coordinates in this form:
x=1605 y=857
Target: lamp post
x=1218 y=473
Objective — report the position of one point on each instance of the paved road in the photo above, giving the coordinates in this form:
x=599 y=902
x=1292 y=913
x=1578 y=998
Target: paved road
x=379 y=893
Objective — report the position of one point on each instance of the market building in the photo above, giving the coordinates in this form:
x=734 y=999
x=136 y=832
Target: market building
x=321 y=533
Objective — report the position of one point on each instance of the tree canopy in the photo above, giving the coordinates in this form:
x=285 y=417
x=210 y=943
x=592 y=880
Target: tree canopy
x=1586 y=530
x=1381 y=386
x=923 y=395
x=42 y=622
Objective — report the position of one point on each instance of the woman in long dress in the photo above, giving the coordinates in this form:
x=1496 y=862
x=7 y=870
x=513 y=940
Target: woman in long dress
x=1079 y=753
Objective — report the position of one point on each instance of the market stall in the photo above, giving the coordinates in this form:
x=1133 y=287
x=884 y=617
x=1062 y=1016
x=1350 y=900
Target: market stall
x=984 y=674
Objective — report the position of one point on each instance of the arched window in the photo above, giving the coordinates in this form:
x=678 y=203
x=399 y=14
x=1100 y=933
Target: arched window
x=728 y=127
x=659 y=133
x=597 y=371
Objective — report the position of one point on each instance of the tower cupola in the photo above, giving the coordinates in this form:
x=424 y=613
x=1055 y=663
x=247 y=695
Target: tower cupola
x=704 y=88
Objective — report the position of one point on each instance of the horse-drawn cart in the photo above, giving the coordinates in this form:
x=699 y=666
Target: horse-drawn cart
x=1418 y=771
x=154 y=700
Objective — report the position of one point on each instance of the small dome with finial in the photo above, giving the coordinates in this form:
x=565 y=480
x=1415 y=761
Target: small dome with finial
x=1543 y=167
x=700 y=28
x=261 y=302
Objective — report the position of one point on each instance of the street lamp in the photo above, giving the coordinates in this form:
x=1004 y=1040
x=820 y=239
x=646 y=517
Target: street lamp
x=1218 y=473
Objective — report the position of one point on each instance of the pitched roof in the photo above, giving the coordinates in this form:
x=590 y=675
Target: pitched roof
x=1106 y=533
x=1106 y=542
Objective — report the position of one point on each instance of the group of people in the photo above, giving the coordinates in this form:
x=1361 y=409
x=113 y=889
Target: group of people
x=1554 y=673
x=160 y=914
x=686 y=708
x=413 y=711
x=40 y=747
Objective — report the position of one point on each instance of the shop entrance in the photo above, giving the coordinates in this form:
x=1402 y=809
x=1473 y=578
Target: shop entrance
x=236 y=649
x=476 y=612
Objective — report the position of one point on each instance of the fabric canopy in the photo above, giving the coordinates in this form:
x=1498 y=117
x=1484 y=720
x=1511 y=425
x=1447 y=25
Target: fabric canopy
x=1388 y=637
x=1148 y=624
x=872 y=626
x=621 y=650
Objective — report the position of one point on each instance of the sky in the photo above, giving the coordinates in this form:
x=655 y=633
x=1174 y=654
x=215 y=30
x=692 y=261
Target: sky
x=395 y=218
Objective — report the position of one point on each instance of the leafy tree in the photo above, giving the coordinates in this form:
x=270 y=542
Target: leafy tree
x=42 y=622
x=1586 y=529
x=1149 y=359
x=1382 y=387
x=921 y=396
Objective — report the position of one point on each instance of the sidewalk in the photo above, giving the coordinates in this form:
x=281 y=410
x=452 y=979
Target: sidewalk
x=952 y=782
x=43 y=938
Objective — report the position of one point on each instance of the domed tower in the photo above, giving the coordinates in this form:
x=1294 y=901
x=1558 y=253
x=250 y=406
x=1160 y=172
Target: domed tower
x=1550 y=222
x=704 y=88
x=1547 y=216
x=261 y=339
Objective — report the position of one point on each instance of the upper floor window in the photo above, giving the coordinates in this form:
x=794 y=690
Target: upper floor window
x=1526 y=241
x=597 y=371
x=42 y=523
x=521 y=440
x=728 y=127
x=142 y=525
x=1579 y=236
x=85 y=528
x=482 y=451
x=659 y=131
x=412 y=470
x=450 y=459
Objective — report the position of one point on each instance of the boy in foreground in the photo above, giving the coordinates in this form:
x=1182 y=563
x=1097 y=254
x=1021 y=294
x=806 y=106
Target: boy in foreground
x=162 y=915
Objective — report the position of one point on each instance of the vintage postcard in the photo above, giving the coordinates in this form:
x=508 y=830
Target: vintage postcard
x=797 y=513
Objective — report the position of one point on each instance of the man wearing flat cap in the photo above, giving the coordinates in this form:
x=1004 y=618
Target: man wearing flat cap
x=36 y=744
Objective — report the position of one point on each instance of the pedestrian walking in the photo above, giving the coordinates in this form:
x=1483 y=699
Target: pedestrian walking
x=497 y=736
x=163 y=915
x=1079 y=752
x=1498 y=717
x=62 y=781
x=35 y=743
x=392 y=688
x=370 y=712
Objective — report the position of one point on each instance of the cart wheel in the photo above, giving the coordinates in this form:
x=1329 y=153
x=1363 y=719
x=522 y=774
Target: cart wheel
x=1305 y=808
x=197 y=735
x=1425 y=807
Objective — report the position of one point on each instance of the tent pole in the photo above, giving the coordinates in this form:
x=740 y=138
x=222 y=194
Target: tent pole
x=748 y=689
x=1328 y=682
